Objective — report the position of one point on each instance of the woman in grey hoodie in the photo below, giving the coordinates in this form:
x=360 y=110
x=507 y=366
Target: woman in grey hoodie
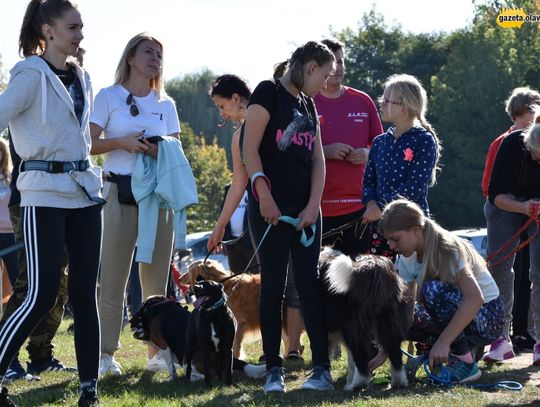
x=47 y=106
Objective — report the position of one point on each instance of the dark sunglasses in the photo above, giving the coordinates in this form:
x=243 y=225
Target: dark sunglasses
x=133 y=109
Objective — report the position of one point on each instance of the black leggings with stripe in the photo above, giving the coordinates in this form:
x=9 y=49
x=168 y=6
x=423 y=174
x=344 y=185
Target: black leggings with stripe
x=46 y=232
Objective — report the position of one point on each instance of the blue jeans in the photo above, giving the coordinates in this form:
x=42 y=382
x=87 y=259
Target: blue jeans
x=437 y=306
x=501 y=226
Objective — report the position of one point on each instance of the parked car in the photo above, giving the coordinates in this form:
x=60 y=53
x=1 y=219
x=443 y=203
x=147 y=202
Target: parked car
x=478 y=238
x=196 y=243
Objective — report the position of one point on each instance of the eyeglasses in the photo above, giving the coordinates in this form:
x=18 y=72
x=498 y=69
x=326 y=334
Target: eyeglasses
x=384 y=101
x=133 y=109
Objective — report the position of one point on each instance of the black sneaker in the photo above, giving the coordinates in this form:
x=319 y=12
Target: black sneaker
x=48 y=365
x=522 y=343
x=89 y=397
x=4 y=399
x=15 y=371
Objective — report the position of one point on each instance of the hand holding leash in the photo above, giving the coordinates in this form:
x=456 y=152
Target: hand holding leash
x=438 y=354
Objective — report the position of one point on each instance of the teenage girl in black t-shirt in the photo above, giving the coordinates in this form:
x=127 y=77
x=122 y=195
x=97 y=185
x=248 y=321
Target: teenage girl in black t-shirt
x=283 y=155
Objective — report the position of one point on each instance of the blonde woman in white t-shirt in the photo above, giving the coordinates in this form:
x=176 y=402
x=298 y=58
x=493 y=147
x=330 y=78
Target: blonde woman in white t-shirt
x=127 y=113
x=457 y=301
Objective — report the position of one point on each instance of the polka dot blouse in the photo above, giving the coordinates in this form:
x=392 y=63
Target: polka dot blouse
x=400 y=168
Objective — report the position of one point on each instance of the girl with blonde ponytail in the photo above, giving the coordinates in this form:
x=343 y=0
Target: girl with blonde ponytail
x=457 y=301
x=403 y=162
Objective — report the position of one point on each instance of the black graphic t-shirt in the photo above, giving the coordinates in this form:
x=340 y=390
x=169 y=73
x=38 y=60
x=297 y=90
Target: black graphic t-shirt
x=286 y=149
x=71 y=81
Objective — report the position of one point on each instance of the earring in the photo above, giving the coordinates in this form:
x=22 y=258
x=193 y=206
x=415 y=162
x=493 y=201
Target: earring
x=51 y=38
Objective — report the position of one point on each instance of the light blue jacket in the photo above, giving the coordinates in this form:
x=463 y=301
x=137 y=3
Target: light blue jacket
x=167 y=182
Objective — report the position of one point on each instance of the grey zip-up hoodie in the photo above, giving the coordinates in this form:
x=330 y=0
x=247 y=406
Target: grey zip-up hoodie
x=41 y=116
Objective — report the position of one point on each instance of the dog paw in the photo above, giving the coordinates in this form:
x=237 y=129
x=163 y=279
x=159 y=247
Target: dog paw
x=399 y=378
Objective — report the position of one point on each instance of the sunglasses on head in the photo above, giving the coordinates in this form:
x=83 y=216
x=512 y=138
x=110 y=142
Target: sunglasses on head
x=133 y=109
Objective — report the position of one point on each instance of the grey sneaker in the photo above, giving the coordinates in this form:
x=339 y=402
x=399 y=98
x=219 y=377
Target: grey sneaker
x=320 y=380
x=275 y=380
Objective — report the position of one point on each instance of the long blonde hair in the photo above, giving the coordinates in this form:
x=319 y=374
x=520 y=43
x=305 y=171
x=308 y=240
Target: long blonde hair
x=123 y=71
x=442 y=249
x=5 y=161
x=409 y=91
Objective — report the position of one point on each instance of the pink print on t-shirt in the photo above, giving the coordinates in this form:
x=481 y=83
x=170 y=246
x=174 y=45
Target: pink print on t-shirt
x=295 y=133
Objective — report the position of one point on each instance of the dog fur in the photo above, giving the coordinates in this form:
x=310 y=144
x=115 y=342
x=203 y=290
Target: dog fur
x=211 y=332
x=164 y=322
x=244 y=303
x=364 y=301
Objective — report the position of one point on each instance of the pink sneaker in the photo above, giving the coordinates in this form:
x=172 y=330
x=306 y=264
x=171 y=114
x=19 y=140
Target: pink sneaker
x=500 y=350
x=536 y=354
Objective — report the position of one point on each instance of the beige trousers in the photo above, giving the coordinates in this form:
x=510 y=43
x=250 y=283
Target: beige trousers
x=119 y=239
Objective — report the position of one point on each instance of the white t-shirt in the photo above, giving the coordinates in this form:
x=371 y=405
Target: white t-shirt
x=237 y=218
x=410 y=268
x=112 y=113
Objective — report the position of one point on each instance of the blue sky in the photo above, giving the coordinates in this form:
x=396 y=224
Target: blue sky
x=246 y=37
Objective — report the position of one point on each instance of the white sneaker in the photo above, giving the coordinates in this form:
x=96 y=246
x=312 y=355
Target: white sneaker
x=107 y=364
x=500 y=350
x=156 y=364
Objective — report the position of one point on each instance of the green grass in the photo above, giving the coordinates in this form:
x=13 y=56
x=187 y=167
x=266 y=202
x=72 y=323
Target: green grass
x=140 y=388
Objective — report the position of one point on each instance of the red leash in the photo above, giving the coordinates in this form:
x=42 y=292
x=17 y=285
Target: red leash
x=534 y=210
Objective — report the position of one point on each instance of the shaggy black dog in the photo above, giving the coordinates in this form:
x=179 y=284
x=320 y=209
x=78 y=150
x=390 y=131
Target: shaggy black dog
x=364 y=302
x=211 y=332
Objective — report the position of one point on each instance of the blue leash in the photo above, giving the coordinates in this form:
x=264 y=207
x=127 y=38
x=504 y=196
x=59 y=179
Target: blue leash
x=10 y=249
x=443 y=378
x=283 y=218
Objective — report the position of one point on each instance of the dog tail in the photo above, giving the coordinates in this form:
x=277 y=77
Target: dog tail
x=339 y=274
x=374 y=281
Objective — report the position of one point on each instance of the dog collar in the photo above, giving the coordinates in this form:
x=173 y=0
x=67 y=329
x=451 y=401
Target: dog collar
x=217 y=304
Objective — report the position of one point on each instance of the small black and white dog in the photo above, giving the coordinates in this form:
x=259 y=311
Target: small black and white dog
x=165 y=322
x=211 y=331
x=364 y=302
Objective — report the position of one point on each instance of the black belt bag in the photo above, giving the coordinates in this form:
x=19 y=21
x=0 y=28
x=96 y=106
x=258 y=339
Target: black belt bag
x=123 y=183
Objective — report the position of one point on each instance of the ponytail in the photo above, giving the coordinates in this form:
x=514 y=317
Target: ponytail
x=38 y=13
x=436 y=168
x=311 y=51
x=279 y=69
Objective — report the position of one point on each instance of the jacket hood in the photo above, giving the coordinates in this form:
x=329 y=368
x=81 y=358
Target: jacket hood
x=38 y=64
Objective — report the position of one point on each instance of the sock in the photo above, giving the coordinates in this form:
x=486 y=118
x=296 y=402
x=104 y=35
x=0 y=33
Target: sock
x=467 y=358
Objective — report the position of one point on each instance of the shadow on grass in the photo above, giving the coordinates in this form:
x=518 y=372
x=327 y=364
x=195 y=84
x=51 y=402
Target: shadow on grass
x=493 y=373
x=245 y=391
x=53 y=393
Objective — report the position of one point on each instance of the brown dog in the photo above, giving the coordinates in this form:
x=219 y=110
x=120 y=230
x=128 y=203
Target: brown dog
x=244 y=303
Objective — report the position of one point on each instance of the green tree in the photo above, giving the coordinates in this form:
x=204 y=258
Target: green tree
x=209 y=164
x=375 y=51
x=196 y=107
x=485 y=63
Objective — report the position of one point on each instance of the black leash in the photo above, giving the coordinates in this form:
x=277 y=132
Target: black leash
x=348 y=225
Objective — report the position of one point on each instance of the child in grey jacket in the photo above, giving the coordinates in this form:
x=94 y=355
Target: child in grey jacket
x=47 y=106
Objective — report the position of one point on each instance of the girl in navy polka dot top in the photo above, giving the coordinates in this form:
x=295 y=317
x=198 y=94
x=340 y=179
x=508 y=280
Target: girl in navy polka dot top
x=403 y=161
